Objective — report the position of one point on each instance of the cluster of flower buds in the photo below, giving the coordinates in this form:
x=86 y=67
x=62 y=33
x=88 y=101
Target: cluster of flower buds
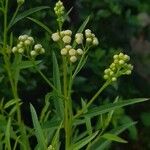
x=38 y=49
x=71 y=53
x=26 y=42
x=119 y=67
x=91 y=38
x=65 y=36
x=59 y=11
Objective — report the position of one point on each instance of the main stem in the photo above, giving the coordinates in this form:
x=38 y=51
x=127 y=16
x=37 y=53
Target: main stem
x=8 y=65
x=67 y=118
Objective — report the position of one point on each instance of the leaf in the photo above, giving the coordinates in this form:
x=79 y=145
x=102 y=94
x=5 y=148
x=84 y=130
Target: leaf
x=82 y=27
x=7 y=134
x=41 y=25
x=28 y=64
x=10 y=103
x=84 y=141
x=58 y=102
x=113 y=137
x=109 y=107
x=25 y=14
x=87 y=120
x=38 y=130
x=102 y=144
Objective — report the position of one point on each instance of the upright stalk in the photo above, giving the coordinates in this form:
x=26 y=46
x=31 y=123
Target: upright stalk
x=7 y=62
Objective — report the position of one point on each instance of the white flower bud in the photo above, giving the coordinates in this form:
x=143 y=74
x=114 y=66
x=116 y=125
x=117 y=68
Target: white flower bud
x=121 y=62
x=68 y=32
x=19 y=45
x=80 y=51
x=73 y=59
x=115 y=56
x=126 y=58
x=55 y=37
x=95 y=41
x=88 y=33
x=68 y=47
x=33 y=53
x=27 y=42
x=128 y=72
x=14 y=49
x=64 y=51
x=79 y=35
x=20 y=50
x=66 y=39
x=121 y=55
x=37 y=47
x=88 y=40
x=31 y=39
x=79 y=40
x=23 y=37
x=42 y=51
x=72 y=52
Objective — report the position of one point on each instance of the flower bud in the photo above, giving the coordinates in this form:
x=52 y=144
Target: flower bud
x=14 y=49
x=80 y=51
x=37 y=47
x=33 y=53
x=73 y=59
x=27 y=42
x=114 y=79
x=55 y=37
x=88 y=40
x=66 y=39
x=20 y=50
x=64 y=51
x=95 y=41
x=72 y=52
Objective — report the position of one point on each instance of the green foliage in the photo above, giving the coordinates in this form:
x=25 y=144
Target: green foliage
x=72 y=117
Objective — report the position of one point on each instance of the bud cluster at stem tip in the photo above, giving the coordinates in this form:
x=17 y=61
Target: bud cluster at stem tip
x=74 y=52
x=59 y=11
x=118 y=67
x=25 y=44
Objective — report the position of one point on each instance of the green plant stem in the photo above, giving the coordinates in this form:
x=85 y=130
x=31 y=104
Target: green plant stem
x=67 y=123
x=7 y=63
x=92 y=99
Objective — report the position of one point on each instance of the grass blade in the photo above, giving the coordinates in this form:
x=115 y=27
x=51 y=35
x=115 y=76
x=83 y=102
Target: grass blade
x=38 y=130
x=109 y=107
x=41 y=25
x=25 y=14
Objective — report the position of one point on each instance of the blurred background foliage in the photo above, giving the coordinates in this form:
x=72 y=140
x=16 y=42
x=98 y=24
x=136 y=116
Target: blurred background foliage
x=120 y=25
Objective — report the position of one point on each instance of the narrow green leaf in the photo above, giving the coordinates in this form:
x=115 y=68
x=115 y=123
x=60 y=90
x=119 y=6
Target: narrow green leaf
x=113 y=137
x=84 y=141
x=102 y=144
x=109 y=107
x=82 y=27
x=38 y=130
x=58 y=102
x=87 y=120
x=28 y=64
x=10 y=103
x=25 y=14
x=7 y=135
x=41 y=25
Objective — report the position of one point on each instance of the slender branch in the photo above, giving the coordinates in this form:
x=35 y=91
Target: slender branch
x=92 y=99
